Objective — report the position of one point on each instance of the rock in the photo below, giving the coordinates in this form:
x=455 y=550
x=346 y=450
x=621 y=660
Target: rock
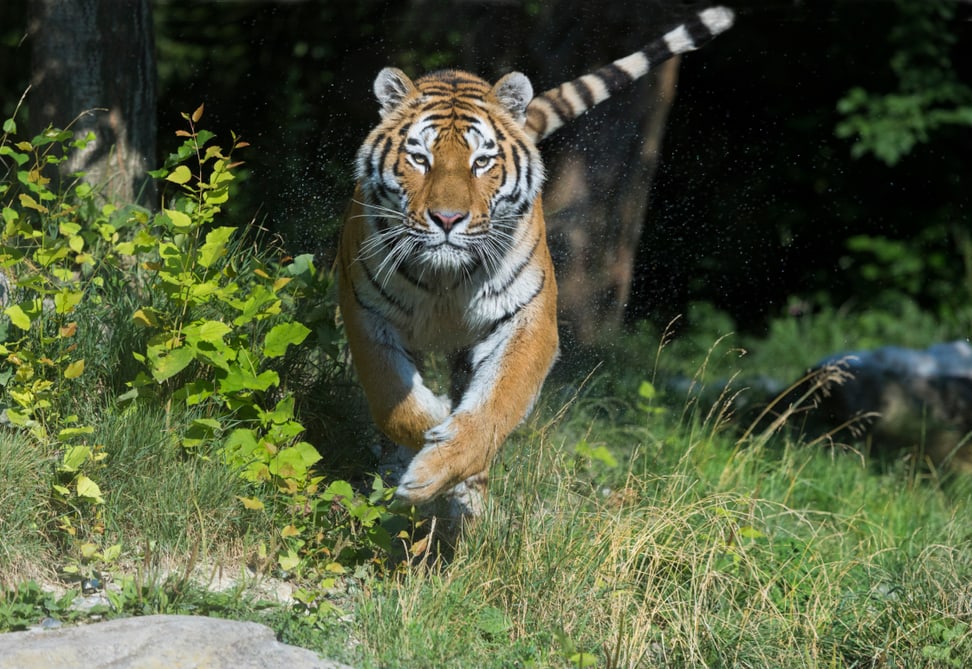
x=900 y=398
x=162 y=642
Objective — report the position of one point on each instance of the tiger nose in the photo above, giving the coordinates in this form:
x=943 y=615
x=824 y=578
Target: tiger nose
x=446 y=219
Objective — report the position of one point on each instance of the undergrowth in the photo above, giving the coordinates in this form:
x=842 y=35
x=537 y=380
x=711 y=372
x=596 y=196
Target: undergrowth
x=151 y=366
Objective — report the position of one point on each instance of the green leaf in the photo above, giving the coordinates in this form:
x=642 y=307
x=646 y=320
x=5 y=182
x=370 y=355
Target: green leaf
x=251 y=503
x=179 y=175
x=176 y=360
x=71 y=432
x=289 y=561
x=88 y=489
x=647 y=391
x=492 y=621
x=74 y=370
x=215 y=245
x=19 y=157
x=196 y=392
x=17 y=316
x=210 y=424
x=10 y=215
x=240 y=443
x=210 y=331
x=583 y=660
x=112 y=553
x=146 y=318
x=179 y=220
x=281 y=336
x=339 y=489
x=237 y=378
x=30 y=203
x=10 y=126
x=73 y=458
x=66 y=300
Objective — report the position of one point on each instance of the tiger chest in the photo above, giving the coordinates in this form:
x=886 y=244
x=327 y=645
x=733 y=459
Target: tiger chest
x=444 y=321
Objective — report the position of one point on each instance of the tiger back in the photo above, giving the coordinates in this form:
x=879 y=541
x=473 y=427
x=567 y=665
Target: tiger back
x=444 y=250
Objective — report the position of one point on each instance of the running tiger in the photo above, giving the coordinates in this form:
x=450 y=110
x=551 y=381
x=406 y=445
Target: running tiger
x=444 y=250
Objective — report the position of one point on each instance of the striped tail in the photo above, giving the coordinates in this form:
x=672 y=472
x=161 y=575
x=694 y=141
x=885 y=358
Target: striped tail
x=547 y=112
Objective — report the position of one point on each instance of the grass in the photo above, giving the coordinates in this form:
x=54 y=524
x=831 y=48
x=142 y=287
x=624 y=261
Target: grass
x=692 y=553
x=622 y=531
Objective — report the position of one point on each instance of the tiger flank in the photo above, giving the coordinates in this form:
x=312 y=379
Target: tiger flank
x=444 y=251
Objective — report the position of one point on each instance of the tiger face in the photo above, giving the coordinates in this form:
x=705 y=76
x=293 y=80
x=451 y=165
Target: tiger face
x=449 y=168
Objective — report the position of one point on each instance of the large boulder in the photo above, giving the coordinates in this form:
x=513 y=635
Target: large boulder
x=900 y=399
x=156 y=642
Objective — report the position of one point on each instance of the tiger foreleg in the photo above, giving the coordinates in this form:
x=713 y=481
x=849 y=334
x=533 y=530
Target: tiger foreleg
x=401 y=405
x=509 y=368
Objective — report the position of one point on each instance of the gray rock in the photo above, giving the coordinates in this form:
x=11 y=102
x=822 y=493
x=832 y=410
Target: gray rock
x=902 y=399
x=156 y=642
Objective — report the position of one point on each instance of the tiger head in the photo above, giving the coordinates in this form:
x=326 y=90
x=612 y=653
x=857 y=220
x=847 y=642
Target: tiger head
x=449 y=173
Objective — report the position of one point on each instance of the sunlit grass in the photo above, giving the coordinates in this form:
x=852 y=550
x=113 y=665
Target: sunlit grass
x=687 y=548
x=628 y=526
x=25 y=551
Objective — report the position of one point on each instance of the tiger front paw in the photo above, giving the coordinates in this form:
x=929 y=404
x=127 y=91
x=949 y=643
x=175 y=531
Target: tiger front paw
x=437 y=467
x=428 y=476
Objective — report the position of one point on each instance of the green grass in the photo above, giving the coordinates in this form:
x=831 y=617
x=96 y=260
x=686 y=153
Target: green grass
x=25 y=551
x=673 y=545
x=690 y=553
x=620 y=533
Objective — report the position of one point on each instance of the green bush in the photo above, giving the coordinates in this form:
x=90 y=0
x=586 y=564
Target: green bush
x=200 y=333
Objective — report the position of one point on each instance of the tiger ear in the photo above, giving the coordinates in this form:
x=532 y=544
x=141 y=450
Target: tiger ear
x=514 y=92
x=392 y=86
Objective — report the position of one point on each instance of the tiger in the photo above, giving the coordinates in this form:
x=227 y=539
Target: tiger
x=443 y=251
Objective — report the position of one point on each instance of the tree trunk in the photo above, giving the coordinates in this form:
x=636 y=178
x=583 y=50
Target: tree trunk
x=596 y=201
x=601 y=165
x=93 y=69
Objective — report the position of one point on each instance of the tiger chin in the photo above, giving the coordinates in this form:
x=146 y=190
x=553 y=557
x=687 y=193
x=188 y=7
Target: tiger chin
x=444 y=251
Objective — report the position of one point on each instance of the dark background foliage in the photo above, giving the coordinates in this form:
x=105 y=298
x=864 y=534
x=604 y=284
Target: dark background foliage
x=758 y=205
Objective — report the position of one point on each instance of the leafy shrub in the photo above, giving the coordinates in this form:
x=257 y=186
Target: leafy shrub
x=204 y=320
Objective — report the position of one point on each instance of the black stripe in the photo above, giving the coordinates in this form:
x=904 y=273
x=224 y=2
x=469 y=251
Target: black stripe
x=403 y=271
x=385 y=150
x=461 y=364
x=561 y=106
x=526 y=165
x=381 y=291
x=382 y=192
x=614 y=77
x=500 y=322
x=537 y=120
x=517 y=272
x=698 y=31
x=505 y=318
x=439 y=117
x=371 y=310
x=584 y=91
x=657 y=52
x=470 y=119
